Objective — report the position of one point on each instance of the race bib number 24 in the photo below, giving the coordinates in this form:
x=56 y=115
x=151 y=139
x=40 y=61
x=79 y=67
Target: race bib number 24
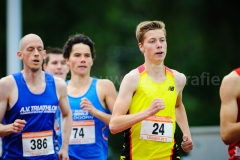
x=157 y=128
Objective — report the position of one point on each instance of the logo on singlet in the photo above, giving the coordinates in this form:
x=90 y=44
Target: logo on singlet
x=38 y=109
x=171 y=88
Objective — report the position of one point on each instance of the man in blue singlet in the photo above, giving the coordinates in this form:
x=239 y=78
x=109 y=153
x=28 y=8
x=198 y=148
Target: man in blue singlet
x=91 y=101
x=28 y=102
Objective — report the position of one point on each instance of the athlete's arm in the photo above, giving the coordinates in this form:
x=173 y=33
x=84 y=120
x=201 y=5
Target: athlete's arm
x=107 y=92
x=66 y=116
x=120 y=121
x=110 y=94
x=181 y=116
x=229 y=91
x=6 y=85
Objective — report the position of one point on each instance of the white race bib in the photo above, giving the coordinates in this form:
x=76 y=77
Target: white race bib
x=83 y=132
x=157 y=128
x=37 y=143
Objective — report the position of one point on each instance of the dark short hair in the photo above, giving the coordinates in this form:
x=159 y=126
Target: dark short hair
x=52 y=50
x=76 y=39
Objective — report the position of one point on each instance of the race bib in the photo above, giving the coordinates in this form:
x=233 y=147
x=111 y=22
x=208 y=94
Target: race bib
x=37 y=143
x=157 y=128
x=83 y=132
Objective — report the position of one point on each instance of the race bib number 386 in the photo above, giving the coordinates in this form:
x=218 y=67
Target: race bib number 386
x=37 y=143
x=157 y=128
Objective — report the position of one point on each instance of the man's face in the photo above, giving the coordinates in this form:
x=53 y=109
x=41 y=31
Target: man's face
x=154 y=46
x=32 y=53
x=57 y=66
x=80 y=60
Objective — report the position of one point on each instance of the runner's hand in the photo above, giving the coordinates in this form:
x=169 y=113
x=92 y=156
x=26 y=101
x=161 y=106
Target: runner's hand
x=63 y=155
x=187 y=144
x=87 y=105
x=156 y=106
x=18 y=125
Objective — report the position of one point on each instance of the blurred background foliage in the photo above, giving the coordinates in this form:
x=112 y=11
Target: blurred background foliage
x=203 y=39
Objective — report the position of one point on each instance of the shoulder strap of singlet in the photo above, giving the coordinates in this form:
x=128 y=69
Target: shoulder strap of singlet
x=49 y=78
x=94 y=82
x=18 y=78
x=141 y=68
x=168 y=69
x=67 y=82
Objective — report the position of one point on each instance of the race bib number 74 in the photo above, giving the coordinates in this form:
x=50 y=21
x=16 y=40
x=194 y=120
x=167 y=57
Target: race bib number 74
x=157 y=128
x=83 y=132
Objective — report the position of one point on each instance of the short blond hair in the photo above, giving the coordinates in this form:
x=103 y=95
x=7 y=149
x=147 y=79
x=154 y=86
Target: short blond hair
x=145 y=26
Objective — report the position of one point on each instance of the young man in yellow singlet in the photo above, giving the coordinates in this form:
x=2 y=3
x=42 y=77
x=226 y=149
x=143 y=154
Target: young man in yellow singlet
x=150 y=102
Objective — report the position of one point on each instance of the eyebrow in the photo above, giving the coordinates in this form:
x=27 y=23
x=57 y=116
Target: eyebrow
x=82 y=53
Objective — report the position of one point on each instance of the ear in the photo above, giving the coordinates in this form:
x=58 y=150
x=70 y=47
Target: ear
x=67 y=61
x=20 y=55
x=141 y=47
x=92 y=63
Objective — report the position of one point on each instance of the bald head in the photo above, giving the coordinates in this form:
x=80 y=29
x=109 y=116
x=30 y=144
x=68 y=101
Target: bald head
x=27 y=39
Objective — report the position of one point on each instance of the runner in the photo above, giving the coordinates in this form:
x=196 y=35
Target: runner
x=28 y=102
x=91 y=101
x=149 y=98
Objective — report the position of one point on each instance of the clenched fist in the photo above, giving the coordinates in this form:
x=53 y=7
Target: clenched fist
x=156 y=106
x=17 y=125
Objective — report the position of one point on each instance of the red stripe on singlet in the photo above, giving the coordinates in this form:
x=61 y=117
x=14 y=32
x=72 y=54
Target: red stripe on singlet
x=168 y=69
x=141 y=68
x=238 y=71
